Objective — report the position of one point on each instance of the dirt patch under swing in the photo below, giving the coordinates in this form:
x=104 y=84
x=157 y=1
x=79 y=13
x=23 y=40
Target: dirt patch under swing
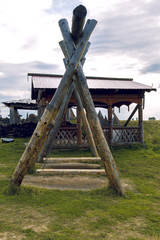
x=84 y=183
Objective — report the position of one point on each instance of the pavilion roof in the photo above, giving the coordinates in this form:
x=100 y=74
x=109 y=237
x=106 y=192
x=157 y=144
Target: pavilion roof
x=22 y=104
x=51 y=81
x=43 y=81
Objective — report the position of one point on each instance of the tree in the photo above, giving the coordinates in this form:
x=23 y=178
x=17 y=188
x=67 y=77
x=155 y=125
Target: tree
x=151 y=118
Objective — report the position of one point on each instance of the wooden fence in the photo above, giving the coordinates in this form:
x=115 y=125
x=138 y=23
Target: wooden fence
x=67 y=136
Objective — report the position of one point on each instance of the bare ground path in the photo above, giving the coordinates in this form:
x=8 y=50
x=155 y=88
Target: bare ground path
x=84 y=183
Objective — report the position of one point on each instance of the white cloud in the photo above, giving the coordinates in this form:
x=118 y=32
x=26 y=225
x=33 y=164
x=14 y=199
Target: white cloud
x=27 y=31
x=125 y=42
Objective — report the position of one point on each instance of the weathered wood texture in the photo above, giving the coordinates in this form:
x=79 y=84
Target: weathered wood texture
x=102 y=146
x=48 y=118
x=86 y=126
x=71 y=171
x=78 y=20
x=72 y=159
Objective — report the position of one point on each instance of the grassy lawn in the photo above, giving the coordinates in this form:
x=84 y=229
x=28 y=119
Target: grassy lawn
x=35 y=213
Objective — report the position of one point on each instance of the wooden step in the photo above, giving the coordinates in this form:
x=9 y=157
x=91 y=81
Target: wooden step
x=71 y=159
x=70 y=171
x=71 y=165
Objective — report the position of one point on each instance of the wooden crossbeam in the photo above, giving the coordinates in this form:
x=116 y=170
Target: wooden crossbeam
x=132 y=114
x=71 y=171
x=72 y=159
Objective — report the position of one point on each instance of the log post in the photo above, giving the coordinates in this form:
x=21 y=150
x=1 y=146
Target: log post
x=110 y=131
x=48 y=118
x=101 y=143
x=79 y=130
x=78 y=19
x=86 y=125
x=102 y=146
x=14 y=116
x=140 y=117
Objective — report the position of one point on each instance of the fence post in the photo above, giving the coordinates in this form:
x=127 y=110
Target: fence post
x=110 y=130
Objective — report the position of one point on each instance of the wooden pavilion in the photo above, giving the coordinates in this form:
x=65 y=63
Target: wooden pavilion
x=22 y=104
x=106 y=93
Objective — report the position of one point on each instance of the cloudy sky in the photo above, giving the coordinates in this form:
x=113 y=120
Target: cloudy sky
x=125 y=43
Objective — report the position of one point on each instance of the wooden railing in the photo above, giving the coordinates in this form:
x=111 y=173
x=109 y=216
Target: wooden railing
x=125 y=135
x=68 y=136
x=121 y=135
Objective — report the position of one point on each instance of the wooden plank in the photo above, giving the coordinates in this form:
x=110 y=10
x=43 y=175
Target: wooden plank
x=76 y=159
x=70 y=165
x=71 y=171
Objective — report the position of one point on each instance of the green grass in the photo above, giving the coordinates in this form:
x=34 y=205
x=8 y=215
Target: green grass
x=35 y=213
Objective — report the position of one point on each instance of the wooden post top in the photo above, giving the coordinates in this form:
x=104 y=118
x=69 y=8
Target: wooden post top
x=78 y=20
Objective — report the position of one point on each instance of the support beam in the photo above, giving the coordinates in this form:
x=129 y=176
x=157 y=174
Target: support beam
x=14 y=116
x=140 y=117
x=86 y=126
x=78 y=19
x=79 y=130
x=101 y=144
x=110 y=130
x=130 y=117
